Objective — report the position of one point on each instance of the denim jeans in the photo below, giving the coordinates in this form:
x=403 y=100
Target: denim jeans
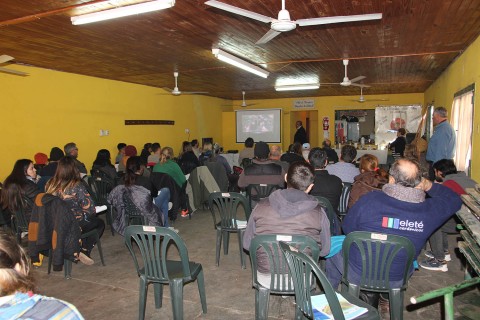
x=161 y=201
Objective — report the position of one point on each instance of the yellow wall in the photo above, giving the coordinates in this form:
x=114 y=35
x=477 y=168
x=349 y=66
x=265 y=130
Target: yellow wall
x=50 y=108
x=325 y=107
x=460 y=74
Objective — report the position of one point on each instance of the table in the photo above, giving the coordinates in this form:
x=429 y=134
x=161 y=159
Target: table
x=469 y=214
x=380 y=154
x=232 y=159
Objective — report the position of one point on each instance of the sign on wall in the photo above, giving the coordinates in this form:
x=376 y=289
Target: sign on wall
x=304 y=104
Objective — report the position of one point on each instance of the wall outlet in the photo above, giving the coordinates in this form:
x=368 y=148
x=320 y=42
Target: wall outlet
x=101 y=133
x=106 y=132
x=187 y=131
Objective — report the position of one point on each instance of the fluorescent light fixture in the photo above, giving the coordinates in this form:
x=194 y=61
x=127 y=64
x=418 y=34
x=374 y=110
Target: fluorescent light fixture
x=239 y=63
x=123 y=11
x=310 y=86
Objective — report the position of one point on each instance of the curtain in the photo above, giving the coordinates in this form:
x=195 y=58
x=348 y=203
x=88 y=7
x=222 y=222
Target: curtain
x=462 y=123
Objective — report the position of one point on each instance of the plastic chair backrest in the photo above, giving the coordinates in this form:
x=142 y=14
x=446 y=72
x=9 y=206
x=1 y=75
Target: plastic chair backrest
x=303 y=269
x=378 y=252
x=101 y=189
x=133 y=215
x=266 y=246
x=256 y=192
x=227 y=204
x=331 y=214
x=150 y=258
x=343 y=204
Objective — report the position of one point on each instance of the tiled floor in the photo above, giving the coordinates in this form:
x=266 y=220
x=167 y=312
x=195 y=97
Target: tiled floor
x=111 y=291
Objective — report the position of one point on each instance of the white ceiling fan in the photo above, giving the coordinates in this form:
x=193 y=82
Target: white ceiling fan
x=346 y=82
x=244 y=103
x=177 y=92
x=283 y=23
x=4 y=59
x=362 y=98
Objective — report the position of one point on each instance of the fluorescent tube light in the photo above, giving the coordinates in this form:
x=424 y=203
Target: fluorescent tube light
x=123 y=11
x=239 y=63
x=310 y=86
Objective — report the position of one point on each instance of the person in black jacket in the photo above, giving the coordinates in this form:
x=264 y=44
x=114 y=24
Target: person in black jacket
x=20 y=188
x=187 y=160
x=300 y=134
x=398 y=146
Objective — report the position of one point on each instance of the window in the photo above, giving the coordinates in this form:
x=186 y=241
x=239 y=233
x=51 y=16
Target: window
x=462 y=122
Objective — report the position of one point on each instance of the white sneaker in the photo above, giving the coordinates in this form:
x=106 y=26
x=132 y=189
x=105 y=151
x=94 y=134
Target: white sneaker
x=429 y=254
x=170 y=205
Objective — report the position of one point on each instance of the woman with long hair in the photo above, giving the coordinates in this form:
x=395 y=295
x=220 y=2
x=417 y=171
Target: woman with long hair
x=294 y=153
x=103 y=168
x=20 y=188
x=371 y=177
x=67 y=185
x=170 y=167
x=17 y=300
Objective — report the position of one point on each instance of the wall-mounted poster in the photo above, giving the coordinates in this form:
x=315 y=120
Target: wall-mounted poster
x=389 y=119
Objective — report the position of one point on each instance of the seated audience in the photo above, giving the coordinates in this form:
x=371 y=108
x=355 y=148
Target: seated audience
x=143 y=194
x=17 y=287
x=345 y=169
x=275 y=154
x=290 y=211
x=121 y=152
x=196 y=148
x=371 y=177
x=305 y=150
x=170 y=167
x=103 y=168
x=445 y=173
x=325 y=185
x=398 y=146
x=247 y=152
x=403 y=199
x=146 y=151
x=49 y=170
x=41 y=160
x=20 y=188
x=262 y=170
x=71 y=150
x=331 y=153
x=155 y=156
x=67 y=185
x=187 y=160
x=294 y=153
x=130 y=151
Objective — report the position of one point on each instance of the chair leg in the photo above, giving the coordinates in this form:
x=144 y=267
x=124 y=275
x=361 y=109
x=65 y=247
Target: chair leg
x=158 y=291
x=240 y=245
x=142 y=302
x=396 y=304
x=49 y=261
x=226 y=240
x=110 y=219
x=262 y=298
x=100 y=251
x=176 y=294
x=201 y=291
x=219 y=244
x=67 y=266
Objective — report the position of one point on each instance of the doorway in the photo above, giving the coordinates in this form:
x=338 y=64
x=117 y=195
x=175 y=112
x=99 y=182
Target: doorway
x=310 y=123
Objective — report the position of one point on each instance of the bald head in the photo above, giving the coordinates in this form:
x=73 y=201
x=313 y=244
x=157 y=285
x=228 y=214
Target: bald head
x=275 y=152
x=406 y=172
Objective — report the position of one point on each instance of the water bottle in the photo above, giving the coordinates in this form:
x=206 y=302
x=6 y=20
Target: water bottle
x=362 y=141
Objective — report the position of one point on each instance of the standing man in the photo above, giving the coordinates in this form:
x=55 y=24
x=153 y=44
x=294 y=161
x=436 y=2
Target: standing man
x=301 y=134
x=71 y=150
x=442 y=143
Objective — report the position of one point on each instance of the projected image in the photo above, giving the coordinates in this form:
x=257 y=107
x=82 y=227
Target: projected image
x=257 y=123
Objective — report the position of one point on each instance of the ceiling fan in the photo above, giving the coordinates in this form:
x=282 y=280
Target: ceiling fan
x=346 y=82
x=177 y=92
x=244 y=103
x=4 y=59
x=362 y=98
x=283 y=23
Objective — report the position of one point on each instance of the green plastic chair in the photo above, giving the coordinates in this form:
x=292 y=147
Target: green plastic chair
x=227 y=205
x=257 y=192
x=304 y=270
x=266 y=246
x=148 y=246
x=378 y=252
x=67 y=264
x=133 y=215
x=343 y=204
x=101 y=189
